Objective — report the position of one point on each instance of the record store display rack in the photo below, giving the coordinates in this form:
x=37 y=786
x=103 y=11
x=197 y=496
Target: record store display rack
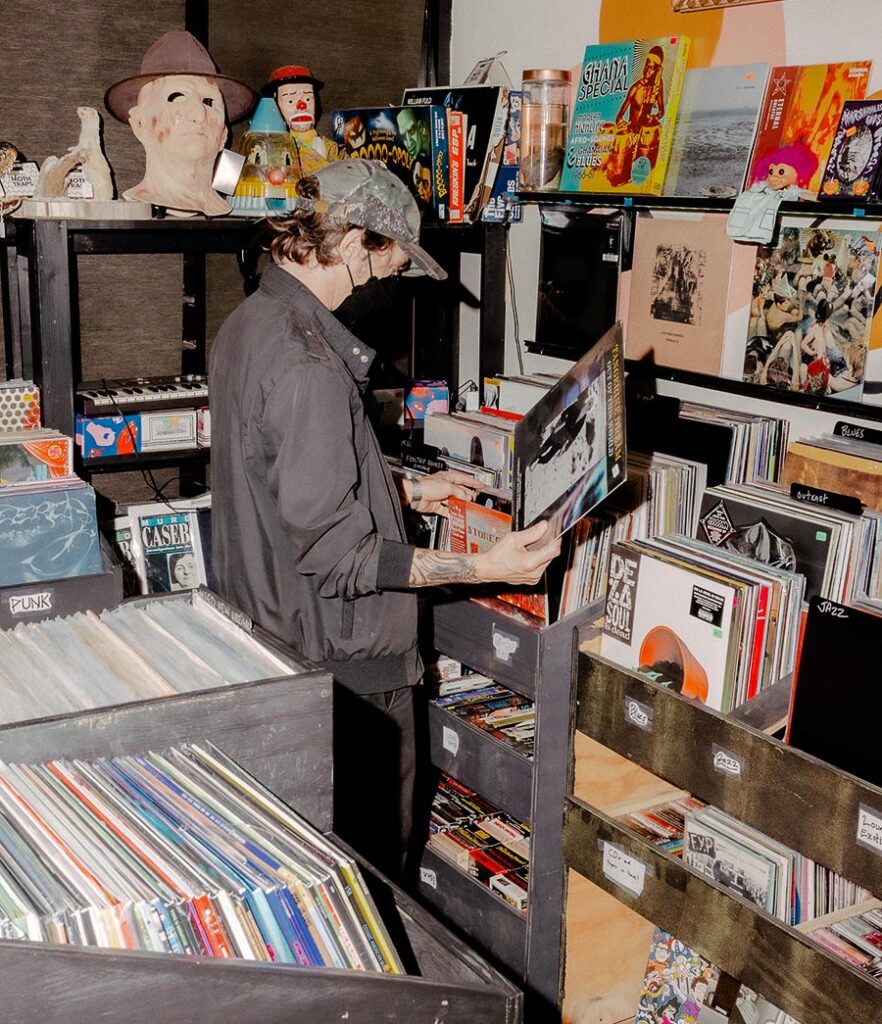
x=537 y=664
x=280 y=731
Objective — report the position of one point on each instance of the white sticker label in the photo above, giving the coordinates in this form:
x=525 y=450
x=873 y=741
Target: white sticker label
x=428 y=877
x=726 y=763
x=869 y=831
x=638 y=714
x=623 y=869
x=450 y=740
x=27 y=604
x=504 y=646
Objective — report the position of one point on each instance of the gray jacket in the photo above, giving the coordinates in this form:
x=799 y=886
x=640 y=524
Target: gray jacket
x=308 y=535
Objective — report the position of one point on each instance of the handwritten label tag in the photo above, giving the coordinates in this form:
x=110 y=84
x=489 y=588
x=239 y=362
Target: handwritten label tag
x=869 y=831
x=504 y=646
x=31 y=604
x=829 y=499
x=624 y=870
x=429 y=878
x=727 y=763
x=450 y=740
x=859 y=433
x=638 y=713
x=831 y=608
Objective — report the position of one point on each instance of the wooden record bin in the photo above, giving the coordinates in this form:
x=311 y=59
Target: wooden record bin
x=280 y=731
x=635 y=743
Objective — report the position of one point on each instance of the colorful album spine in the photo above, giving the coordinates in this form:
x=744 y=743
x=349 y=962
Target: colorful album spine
x=456 y=163
x=440 y=162
x=624 y=116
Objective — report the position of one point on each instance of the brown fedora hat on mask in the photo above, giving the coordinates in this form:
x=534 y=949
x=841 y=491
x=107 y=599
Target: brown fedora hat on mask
x=178 y=53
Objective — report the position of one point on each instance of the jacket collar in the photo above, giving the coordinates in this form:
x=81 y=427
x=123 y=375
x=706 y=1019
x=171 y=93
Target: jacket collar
x=281 y=285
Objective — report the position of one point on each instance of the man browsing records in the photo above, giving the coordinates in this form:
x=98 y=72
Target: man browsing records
x=308 y=529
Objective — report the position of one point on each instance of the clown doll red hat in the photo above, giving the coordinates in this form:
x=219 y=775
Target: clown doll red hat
x=298 y=105
x=295 y=89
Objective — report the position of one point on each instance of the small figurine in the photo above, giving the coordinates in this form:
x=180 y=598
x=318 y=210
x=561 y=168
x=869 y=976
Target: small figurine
x=268 y=183
x=178 y=107
x=86 y=154
x=781 y=175
x=295 y=89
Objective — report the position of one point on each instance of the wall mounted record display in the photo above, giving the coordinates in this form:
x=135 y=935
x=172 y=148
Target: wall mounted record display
x=579 y=261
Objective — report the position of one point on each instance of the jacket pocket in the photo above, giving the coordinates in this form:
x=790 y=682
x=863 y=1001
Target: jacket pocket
x=348 y=620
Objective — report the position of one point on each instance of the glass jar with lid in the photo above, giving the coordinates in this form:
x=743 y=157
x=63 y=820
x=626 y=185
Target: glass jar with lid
x=545 y=119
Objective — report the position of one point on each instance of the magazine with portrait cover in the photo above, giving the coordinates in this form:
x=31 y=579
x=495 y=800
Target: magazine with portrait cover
x=570 y=448
x=167 y=547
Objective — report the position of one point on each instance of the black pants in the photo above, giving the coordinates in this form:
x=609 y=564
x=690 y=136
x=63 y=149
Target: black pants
x=374 y=771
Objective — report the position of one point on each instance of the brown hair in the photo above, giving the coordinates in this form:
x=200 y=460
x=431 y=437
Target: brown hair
x=303 y=232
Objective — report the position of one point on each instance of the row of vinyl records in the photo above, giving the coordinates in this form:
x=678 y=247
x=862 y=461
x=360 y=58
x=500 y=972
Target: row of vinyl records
x=137 y=651
x=178 y=852
x=836 y=913
x=713 y=131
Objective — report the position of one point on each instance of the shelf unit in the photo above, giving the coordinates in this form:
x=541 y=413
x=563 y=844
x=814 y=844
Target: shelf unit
x=538 y=664
x=789 y=795
x=280 y=731
x=686 y=384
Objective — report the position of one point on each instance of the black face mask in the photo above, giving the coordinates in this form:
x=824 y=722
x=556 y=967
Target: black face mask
x=368 y=303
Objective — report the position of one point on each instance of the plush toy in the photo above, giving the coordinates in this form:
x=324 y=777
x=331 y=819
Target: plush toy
x=780 y=175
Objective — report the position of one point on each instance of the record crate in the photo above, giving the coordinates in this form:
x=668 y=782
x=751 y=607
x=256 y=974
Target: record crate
x=32 y=602
x=635 y=744
x=279 y=730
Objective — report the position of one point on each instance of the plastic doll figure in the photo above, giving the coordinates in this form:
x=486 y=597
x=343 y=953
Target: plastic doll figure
x=295 y=89
x=178 y=108
x=782 y=175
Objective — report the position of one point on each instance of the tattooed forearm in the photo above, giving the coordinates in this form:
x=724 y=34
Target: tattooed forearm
x=432 y=568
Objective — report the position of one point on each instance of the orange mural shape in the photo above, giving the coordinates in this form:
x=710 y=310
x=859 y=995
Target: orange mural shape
x=625 y=19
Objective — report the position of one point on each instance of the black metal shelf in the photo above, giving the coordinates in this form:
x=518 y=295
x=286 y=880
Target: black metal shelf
x=154 y=460
x=644 y=372
x=819 y=209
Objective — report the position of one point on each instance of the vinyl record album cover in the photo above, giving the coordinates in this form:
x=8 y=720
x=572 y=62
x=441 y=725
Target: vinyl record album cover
x=685 y=641
x=852 y=170
x=569 y=449
x=679 y=290
x=716 y=123
x=623 y=120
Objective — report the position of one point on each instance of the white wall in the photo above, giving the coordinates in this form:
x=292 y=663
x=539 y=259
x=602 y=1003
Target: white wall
x=554 y=33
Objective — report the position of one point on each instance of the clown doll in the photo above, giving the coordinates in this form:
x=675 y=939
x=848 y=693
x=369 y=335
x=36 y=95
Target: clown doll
x=295 y=89
x=780 y=175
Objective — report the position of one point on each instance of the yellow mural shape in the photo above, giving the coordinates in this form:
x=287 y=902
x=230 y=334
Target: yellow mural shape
x=649 y=19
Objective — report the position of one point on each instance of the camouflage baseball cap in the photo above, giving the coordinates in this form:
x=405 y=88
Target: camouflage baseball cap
x=367 y=194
